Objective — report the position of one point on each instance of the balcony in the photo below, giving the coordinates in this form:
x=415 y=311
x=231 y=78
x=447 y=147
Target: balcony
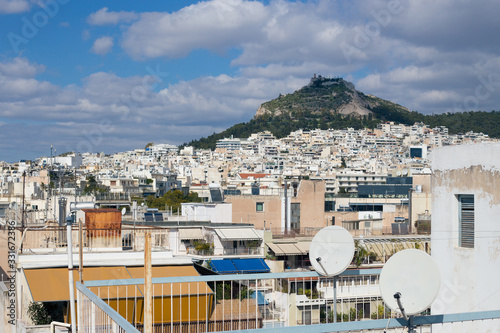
x=243 y=251
x=267 y=302
x=54 y=239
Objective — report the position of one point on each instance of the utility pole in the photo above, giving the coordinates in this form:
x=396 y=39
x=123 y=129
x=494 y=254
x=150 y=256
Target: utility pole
x=286 y=206
x=23 y=210
x=148 y=295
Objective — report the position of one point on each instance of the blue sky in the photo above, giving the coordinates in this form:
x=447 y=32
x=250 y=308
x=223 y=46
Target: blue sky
x=108 y=76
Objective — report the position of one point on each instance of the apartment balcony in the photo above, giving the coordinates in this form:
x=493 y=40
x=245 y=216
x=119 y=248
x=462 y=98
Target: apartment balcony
x=243 y=251
x=271 y=302
x=54 y=239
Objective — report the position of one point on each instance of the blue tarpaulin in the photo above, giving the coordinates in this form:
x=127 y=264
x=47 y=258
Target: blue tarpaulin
x=255 y=265
x=239 y=266
x=223 y=266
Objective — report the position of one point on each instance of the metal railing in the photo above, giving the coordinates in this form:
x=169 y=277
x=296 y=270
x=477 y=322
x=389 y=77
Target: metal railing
x=113 y=197
x=246 y=301
x=244 y=251
x=94 y=315
x=53 y=239
x=270 y=302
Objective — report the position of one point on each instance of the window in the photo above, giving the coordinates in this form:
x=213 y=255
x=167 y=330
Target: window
x=306 y=317
x=259 y=207
x=295 y=215
x=466 y=220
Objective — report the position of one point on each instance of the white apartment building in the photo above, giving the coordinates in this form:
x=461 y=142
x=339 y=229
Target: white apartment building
x=466 y=233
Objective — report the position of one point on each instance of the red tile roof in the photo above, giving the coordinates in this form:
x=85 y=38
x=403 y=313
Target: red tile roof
x=254 y=175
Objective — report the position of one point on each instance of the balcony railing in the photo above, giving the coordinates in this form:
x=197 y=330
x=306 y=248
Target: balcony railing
x=271 y=302
x=244 y=251
x=94 y=315
x=54 y=239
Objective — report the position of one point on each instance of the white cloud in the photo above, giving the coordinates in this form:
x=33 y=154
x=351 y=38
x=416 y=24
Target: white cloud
x=102 y=45
x=104 y=17
x=215 y=25
x=20 y=67
x=114 y=106
x=14 y=6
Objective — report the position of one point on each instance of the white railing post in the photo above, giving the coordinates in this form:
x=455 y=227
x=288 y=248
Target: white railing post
x=92 y=318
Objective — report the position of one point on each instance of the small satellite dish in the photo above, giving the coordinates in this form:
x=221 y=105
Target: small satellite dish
x=415 y=276
x=331 y=250
x=124 y=210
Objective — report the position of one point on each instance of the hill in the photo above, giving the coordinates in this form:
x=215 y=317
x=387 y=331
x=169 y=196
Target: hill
x=336 y=96
x=335 y=103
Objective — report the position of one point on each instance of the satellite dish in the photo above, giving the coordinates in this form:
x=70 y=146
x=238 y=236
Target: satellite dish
x=331 y=250
x=124 y=210
x=415 y=276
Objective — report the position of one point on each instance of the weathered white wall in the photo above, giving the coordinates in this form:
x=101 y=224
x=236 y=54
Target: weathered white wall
x=216 y=213
x=470 y=277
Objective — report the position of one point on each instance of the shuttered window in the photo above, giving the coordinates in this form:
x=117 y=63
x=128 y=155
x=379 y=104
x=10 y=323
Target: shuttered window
x=466 y=220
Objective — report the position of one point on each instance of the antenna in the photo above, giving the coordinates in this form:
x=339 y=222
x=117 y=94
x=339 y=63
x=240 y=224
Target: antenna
x=410 y=282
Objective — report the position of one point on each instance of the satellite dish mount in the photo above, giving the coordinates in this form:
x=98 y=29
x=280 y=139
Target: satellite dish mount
x=410 y=277
x=330 y=253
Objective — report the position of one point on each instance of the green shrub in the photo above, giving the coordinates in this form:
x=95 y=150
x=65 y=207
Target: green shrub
x=38 y=314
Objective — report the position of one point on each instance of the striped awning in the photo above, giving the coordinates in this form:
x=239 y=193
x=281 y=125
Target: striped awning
x=230 y=234
x=276 y=249
x=190 y=234
x=303 y=246
x=288 y=249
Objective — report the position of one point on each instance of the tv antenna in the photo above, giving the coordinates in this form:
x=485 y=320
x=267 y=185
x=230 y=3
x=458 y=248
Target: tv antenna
x=409 y=283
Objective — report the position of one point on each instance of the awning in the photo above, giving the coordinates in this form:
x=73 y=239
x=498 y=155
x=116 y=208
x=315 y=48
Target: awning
x=223 y=266
x=303 y=246
x=190 y=234
x=239 y=266
x=290 y=249
x=287 y=249
x=229 y=234
x=276 y=249
x=253 y=265
x=51 y=284
x=174 y=289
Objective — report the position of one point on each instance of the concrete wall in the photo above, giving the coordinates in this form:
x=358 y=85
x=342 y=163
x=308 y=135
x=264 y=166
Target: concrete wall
x=244 y=210
x=310 y=195
x=470 y=276
x=216 y=213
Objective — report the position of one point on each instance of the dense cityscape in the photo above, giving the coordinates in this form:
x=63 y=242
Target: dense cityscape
x=249 y=166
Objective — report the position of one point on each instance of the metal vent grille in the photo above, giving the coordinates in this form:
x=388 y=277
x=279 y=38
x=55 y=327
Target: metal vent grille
x=466 y=220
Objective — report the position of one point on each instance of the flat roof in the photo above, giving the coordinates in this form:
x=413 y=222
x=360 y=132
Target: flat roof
x=128 y=258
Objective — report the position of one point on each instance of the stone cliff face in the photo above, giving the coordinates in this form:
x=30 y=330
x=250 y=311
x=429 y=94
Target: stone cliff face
x=262 y=111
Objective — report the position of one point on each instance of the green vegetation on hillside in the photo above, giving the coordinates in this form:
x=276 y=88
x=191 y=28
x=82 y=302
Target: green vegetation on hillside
x=316 y=106
x=281 y=126
x=314 y=98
